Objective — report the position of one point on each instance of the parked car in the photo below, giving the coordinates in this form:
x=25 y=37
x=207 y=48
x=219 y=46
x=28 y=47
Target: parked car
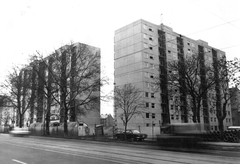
x=131 y=134
x=16 y=131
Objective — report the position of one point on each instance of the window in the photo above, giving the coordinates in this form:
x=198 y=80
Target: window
x=211 y=119
x=215 y=119
x=144 y=26
x=151 y=57
x=153 y=124
x=151 y=48
x=147 y=74
x=148 y=85
x=147 y=115
x=144 y=36
x=146 y=65
x=188 y=43
x=152 y=85
x=172 y=116
x=145 y=45
x=171 y=107
x=176 y=107
x=147 y=125
x=147 y=104
x=151 y=76
x=153 y=115
x=189 y=51
x=168 y=36
x=169 y=51
x=174 y=46
x=226 y=119
x=152 y=95
x=177 y=117
x=146 y=55
x=146 y=94
x=216 y=128
x=205 y=49
x=151 y=66
x=150 y=29
x=150 y=38
x=153 y=105
x=228 y=112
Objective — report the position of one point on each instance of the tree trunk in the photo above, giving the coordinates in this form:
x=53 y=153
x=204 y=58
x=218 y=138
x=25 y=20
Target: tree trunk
x=48 y=116
x=194 y=111
x=220 y=124
x=49 y=95
x=198 y=111
x=40 y=92
x=125 y=130
x=63 y=88
x=73 y=86
x=198 y=116
x=221 y=115
x=33 y=96
x=20 y=120
x=65 y=122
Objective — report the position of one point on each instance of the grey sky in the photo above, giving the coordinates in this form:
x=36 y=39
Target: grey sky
x=44 y=25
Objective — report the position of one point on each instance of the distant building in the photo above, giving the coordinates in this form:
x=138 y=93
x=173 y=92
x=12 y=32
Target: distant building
x=7 y=113
x=235 y=106
x=107 y=120
x=141 y=52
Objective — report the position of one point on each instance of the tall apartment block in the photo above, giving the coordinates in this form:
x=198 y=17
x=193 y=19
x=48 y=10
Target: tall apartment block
x=141 y=52
x=235 y=105
x=72 y=62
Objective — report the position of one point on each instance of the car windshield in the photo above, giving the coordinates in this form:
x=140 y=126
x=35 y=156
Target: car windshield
x=135 y=131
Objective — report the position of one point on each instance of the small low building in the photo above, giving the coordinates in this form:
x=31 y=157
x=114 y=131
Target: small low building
x=107 y=120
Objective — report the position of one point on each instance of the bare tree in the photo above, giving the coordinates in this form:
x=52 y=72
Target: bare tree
x=225 y=73
x=18 y=91
x=6 y=112
x=43 y=89
x=74 y=80
x=190 y=77
x=234 y=72
x=128 y=101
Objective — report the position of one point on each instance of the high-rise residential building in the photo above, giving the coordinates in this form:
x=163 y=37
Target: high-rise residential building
x=141 y=53
x=76 y=68
x=235 y=105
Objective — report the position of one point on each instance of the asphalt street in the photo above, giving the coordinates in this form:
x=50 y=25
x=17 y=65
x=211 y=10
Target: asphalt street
x=44 y=150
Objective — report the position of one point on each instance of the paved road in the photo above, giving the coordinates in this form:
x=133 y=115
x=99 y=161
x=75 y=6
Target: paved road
x=41 y=150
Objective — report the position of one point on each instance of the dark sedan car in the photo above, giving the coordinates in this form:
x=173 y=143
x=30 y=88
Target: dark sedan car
x=131 y=134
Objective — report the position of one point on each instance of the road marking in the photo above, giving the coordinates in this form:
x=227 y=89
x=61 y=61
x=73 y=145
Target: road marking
x=18 y=161
x=120 y=161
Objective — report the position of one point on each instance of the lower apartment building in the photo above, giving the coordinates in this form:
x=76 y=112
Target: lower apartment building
x=70 y=72
x=141 y=53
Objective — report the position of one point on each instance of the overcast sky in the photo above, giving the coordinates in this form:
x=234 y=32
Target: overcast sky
x=30 y=25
